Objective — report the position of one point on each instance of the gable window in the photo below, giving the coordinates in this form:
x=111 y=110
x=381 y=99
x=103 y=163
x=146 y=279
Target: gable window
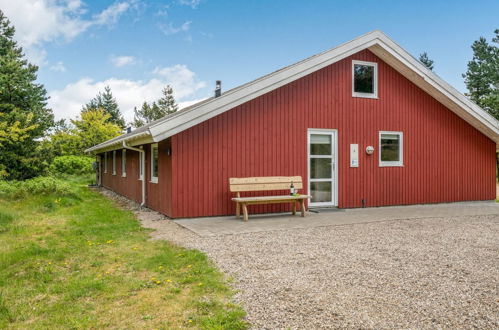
x=364 y=79
x=114 y=162
x=105 y=162
x=154 y=163
x=141 y=162
x=123 y=163
x=391 y=149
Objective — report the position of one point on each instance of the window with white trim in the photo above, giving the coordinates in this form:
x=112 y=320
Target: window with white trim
x=105 y=162
x=114 y=162
x=154 y=163
x=141 y=162
x=364 y=79
x=391 y=148
x=123 y=163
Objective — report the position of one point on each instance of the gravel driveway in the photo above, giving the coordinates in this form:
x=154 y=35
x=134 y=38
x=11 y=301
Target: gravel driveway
x=418 y=273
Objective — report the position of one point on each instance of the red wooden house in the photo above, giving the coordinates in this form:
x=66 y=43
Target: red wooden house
x=364 y=124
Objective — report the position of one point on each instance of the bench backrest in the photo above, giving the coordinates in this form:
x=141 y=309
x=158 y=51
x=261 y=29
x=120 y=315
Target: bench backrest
x=264 y=183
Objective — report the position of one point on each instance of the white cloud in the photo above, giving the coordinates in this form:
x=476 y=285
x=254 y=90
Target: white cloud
x=192 y=3
x=59 y=67
x=183 y=80
x=41 y=21
x=119 y=61
x=111 y=14
x=171 y=30
x=67 y=102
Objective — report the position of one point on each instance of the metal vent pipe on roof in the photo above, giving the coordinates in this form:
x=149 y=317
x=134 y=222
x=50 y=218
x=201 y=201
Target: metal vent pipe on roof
x=218 y=88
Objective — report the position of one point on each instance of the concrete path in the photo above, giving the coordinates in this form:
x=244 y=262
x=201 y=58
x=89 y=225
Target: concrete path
x=229 y=225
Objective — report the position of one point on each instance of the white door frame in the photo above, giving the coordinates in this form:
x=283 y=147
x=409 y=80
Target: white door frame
x=334 y=165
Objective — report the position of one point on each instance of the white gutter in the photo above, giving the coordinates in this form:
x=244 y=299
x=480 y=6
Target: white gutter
x=143 y=161
x=108 y=144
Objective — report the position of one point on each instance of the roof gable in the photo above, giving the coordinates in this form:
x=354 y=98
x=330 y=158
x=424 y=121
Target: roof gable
x=375 y=41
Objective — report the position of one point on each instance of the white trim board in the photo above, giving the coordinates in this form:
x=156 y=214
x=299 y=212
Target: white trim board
x=374 y=94
x=334 y=166
x=397 y=163
x=376 y=41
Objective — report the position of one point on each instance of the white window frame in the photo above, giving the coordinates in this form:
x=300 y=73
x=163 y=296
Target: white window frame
x=105 y=162
x=114 y=162
x=400 y=162
x=154 y=179
x=334 y=168
x=123 y=163
x=141 y=162
x=373 y=95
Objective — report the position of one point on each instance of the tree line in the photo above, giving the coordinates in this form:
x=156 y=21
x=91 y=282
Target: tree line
x=30 y=138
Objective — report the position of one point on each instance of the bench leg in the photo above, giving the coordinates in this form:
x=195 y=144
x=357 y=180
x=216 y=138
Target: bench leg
x=245 y=212
x=293 y=206
x=238 y=210
x=302 y=204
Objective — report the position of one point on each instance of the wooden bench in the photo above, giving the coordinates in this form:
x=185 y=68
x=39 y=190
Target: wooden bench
x=267 y=183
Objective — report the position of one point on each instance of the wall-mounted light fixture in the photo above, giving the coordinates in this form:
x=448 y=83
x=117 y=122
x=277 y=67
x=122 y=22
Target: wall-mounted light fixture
x=369 y=150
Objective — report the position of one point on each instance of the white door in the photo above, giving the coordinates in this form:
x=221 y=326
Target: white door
x=322 y=159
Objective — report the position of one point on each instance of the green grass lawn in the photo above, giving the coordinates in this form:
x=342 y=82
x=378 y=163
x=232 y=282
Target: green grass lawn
x=79 y=262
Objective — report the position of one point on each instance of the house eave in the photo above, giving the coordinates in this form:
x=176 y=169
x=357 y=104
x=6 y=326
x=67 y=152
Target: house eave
x=132 y=140
x=377 y=42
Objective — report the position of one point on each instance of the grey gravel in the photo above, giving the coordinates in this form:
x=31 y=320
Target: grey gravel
x=418 y=273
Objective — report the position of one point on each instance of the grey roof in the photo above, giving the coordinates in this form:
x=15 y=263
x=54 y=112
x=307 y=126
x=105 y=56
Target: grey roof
x=376 y=41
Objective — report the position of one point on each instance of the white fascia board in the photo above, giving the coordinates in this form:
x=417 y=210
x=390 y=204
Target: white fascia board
x=466 y=109
x=138 y=139
x=227 y=101
x=480 y=115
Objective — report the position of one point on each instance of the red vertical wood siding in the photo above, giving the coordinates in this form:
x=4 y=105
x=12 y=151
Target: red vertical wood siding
x=129 y=186
x=445 y=159
x=158 y=195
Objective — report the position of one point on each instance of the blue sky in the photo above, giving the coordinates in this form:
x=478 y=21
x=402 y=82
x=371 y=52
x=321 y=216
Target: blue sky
x=138 y=46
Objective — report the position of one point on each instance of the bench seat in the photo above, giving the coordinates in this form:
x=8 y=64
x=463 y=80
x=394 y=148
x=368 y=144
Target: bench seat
x=239 y=185
x=276 y=199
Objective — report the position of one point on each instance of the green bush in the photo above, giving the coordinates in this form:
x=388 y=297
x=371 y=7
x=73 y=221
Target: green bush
x=72 y=165
x=43 y=185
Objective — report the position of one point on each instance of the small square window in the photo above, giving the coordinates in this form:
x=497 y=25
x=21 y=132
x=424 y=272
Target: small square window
x=391 y=149
x=364 y=79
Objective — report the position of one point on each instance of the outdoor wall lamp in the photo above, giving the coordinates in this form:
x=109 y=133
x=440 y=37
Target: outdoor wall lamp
x=370 y=150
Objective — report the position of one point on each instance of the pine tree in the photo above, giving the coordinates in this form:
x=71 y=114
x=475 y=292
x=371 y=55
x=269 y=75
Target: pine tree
x=147 y=113
x=167 y=104
x=24 y=116
x=106 y=102
x=142 y=116
x=482 y=77
x=423 y=58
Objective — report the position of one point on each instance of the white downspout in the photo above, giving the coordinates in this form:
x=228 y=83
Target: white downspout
x=143 y=160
